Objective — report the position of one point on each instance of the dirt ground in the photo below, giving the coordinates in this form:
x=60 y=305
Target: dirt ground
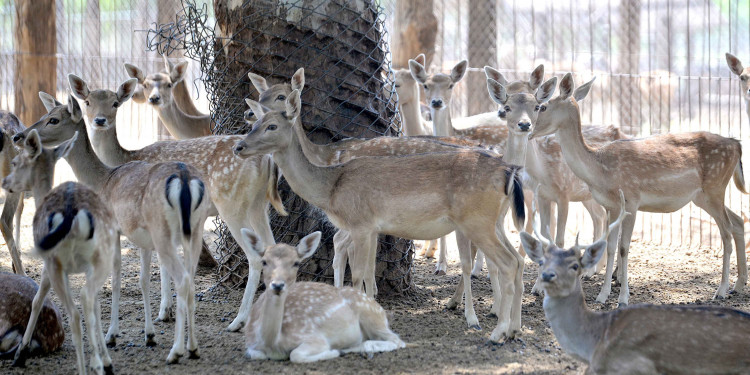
x=439 y=340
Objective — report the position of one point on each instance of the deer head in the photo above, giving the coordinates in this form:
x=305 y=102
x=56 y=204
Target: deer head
x=281 y=262
x=274 y=97
x=405 y=85
x=735 y=65
x=34 y=162
x=157 y=87
x=518 y=105
x=101 y=105
x=273 y=131
x=557 y=111
x=438 y=88
x=58 y=125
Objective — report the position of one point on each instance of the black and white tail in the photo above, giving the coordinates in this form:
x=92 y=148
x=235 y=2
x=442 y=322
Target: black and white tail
x=514 y=190
x=186 y=193
x=71 y=221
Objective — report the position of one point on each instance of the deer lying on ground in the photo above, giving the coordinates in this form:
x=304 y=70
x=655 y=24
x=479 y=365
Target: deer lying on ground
x=74 y=232
x=661 y=173
x=239 y=190
x=473 y=190
x=16 y=295
x=13 y=206
x=639 y=339
x=158 y=206
x=306 y=321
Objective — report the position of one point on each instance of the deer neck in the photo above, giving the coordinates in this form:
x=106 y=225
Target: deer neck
x=320 y=155
x=85 y=163
x=441 y=122
x=411 y=116
x=181 y=95
x=182 y=125
x=576 y=327
x=309 y=181
x=108 y=147
x=272 y=318
x=576 y=152
x=516 y=149
x=42 y=186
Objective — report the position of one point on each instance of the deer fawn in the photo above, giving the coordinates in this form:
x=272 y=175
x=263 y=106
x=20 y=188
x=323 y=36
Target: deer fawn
x=661 y=173
x=640 y=339
x=74 y=232
x=239 y=189
x=16 y=296
x=157 y=206
x=13 y=206
x=442 y=193
x=306 y=321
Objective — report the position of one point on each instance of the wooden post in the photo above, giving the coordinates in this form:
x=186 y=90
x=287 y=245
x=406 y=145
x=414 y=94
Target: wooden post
x=414 y=31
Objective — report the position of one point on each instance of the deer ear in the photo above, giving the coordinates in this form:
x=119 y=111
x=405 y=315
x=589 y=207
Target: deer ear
x=534 y=248
x=537 y=77
x=583 y=90
x=135 y=72
x=308 y=245
x=298 y=79
x=293 y=104
x=48 y=100
x=417 y=71
x=544 y=93
x=64 y=148
x=259 y=82
x=78 y=86
x=74 y=109
x=495 y=74
x=32 y=144
x=566 y=86
x=126 y=90
x=593 y=253
x=178 y=72
x=734 y=64
x=167 y=64
x=497 y=91
x=459 y=70
x=252 y=241
x=421 y=59
x=257 y=109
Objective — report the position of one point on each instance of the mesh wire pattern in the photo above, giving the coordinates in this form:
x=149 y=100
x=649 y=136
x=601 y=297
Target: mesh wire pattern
x=348 y=93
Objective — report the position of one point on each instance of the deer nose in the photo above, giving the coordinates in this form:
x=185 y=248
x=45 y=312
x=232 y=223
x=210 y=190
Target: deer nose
x=548 y=276
x=154 y=99
x=277 y=287
x=18 y=137
x=437 y=103
x=100 y=121
x=501 y=113
x=5 y=185
x=524 y=126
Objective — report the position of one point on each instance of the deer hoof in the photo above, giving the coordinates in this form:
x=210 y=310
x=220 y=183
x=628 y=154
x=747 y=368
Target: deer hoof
x=476 y=327
x=20 y=359
x=111 y=342
x=165 y=316
x=440 y=273
x=150 y=340
x=492 y=315
x=109 y=370
x=193 y=354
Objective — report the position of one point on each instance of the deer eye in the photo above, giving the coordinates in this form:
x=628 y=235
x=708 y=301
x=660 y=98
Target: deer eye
x=426 y=88
x=281 y=97
x=264 y=263
x=169 y=85
x=744 y=78
x=53 y=121
x=296 y=264
x=507 y=108
x=536 y=109
x=574 y=267
x=396 y=86
x=87 y=103
x=13 y=164
x=542 y=108
x=115 y=104
x=271 y=127
x=450 y=86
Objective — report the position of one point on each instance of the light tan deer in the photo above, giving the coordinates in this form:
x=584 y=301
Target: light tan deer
x=239 y=189
x=443 y=192
x=408 y=102
x=74 y=232
x=660 y=173
x=306 y=321
x=640 y=339
x=158 y=206
x=162 y=92
x=10 y=219
x=16 y=295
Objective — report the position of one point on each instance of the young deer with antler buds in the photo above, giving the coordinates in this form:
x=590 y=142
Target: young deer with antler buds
x=416 y=196
x=639 y=339
x=661 y=173
x=308 y=322
x=74 y=232
x=158 y=206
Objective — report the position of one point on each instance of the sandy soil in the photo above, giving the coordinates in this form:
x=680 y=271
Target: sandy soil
x=440 y=341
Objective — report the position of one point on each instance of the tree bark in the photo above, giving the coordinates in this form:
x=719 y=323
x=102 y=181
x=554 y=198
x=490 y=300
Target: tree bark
x=414 y=31
x=36 y=65
x=482 y=51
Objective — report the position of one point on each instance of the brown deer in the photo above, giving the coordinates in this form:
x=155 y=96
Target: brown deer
x=306 y=321
x=444 y=192
x=239 y=190
x=639 y=339
x=74 y=232
x=661 y=173
x=158 y=206
x=10 y=219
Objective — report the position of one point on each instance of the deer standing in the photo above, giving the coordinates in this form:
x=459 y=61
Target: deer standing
x=416 y=196
x=13 y=206
x=74 y=232
x=306 y=321
x=239 y=189
x=158 y=206
x=639 y=339
x=735 y=65
x=16 y=296
x=661 y=173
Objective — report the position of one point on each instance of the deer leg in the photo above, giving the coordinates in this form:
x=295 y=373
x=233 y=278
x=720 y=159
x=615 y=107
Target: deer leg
x=114 y=323
x=342 y=244
x=192 y=251
x=60 y=283
x=562 y=220
x=611 y=247
x=94 y=328
x=313 y=350
x=478 y=262
x=181 y=280
x=428 y=248
x=6 y=227
x=145 y=285
x=627 y=231
x=253 y=275
x=362 y=242
x=597 y=214
x=165 y=306
x=517 y=296
x=545 y=214
x=464 y=252
x=442 y=264
x=738 y=233
x=714 y=206
x=22 y=352
x=528 y=200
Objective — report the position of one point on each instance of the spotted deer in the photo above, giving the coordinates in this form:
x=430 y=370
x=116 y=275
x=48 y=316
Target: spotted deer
x=639 y=339
x=158 y=206
x=74 y=232
x=443 y=192
x=239 y=189
x=16 y=295
x=660 y=173
x=167 y=93
x=10 y=219
x=307 y=321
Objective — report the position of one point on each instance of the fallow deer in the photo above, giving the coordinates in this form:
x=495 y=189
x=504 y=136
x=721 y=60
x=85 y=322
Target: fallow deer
x=10 y=220
x=408 y=102
x=639 y=339
x=158 y=206
x=16 y=296
x=306 y=321
x=74 y=232
x=463 y=190
x=239 y=189
x=661 y=173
